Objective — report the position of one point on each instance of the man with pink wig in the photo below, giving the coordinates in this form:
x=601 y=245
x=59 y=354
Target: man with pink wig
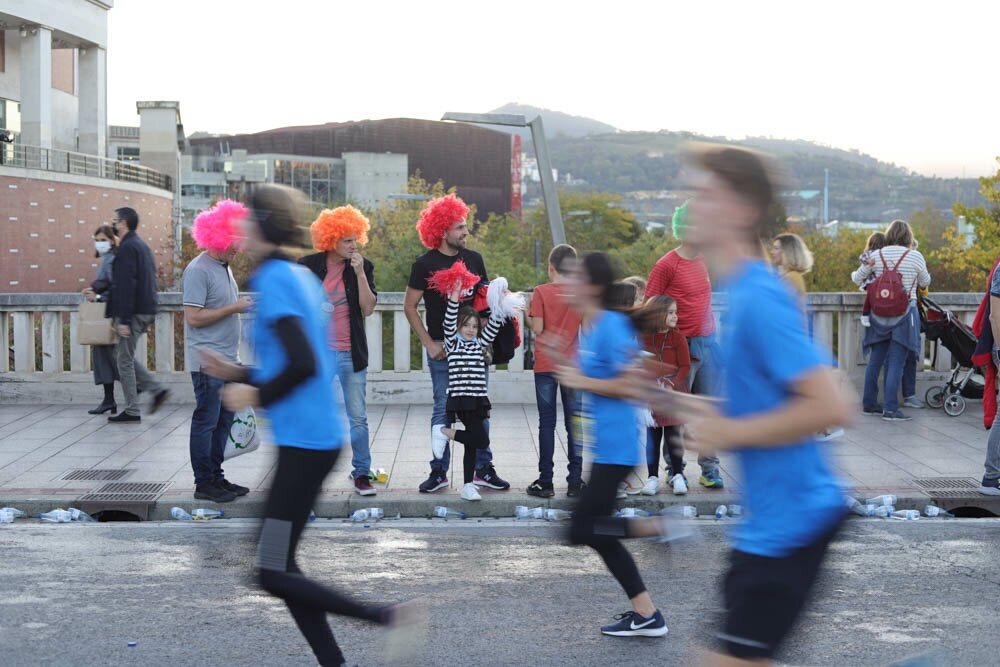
x=212 y=307
x=443 y=232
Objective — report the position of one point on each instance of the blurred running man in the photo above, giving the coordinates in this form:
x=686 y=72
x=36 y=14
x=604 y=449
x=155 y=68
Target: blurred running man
x=778 y=394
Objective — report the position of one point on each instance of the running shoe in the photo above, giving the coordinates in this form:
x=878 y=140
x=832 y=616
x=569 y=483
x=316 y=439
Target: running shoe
x=437 y=480
x=710 y=479
x=872 y=410
x=896 y=416
x=913 y=402
x=488 y=477
x=438 y=441
x=363 y=486
x=633 y=624
x=679 y=485
x=470 y=492
x=575 y=489
x=651 y=486
x=990 y=487
x=235 y=488
x=541 y=489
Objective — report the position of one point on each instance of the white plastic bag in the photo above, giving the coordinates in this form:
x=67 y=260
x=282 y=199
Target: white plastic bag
x=243 y=435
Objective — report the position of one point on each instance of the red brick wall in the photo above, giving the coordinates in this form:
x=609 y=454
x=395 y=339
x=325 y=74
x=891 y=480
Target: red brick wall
x=47 y=227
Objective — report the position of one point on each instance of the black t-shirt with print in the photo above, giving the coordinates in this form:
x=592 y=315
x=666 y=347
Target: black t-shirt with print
x=434 y=303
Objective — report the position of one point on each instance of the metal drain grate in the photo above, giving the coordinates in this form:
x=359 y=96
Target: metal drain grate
x=133 y=497
x=932 y=484
x=97 y=475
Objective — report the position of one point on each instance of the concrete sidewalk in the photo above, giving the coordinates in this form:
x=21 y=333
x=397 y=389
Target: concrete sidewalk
x=40 y=444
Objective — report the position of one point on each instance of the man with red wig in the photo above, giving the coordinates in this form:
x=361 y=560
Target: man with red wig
x=443 y=231
x=349 y=280
x=212 y=307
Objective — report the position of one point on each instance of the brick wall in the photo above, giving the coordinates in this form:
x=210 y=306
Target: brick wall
x=47 y=226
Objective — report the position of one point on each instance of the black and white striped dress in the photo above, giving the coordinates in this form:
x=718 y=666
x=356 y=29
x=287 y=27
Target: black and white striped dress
x=466 y=365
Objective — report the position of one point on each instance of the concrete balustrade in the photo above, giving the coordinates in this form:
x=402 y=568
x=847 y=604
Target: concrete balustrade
x=45 y=323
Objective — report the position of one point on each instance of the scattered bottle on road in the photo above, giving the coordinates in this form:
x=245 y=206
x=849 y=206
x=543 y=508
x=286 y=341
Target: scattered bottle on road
x=736 y=510
x=883 y=510
x=448 y=513
x=14 y=512
x=312 y=515
x=179 y=514
x=721 y=512
x=681 y=512
x=855 y=506
x=906 y=515
x=206 y=515
x=80 y=515
x=934 y=510
x=882 y=500
x=632 y=512
x=6 y=516
x=522 y=512
x=57 y=515
x=367 y=514
x=557 y=515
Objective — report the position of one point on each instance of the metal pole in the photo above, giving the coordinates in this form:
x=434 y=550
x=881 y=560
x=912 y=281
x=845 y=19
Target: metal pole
x=549 y=192
x=826 y=196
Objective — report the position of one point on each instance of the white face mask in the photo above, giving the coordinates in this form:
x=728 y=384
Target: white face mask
x=102 y=247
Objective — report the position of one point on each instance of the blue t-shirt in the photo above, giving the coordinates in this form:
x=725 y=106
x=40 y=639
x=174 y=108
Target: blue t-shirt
x=308 y=417
x=607 y=347
x=790 y=495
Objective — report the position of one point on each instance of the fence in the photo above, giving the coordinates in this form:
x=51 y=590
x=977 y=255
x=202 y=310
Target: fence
x=46 y=364
x=67 y=162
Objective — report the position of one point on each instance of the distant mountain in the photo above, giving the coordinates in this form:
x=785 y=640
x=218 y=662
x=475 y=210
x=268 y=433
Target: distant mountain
x=557 y=123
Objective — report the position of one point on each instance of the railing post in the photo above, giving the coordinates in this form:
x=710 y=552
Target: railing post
x=79 y=355
x=373 y=332
x=164 y=342
x=400 y=341
x=4 y=342
x=52 y=342
x=823 y=329
x=24 y=342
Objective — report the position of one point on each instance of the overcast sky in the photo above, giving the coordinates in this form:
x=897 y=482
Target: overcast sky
x=909 y=82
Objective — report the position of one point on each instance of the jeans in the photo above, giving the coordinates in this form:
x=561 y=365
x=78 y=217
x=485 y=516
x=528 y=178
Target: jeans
x=910 y=375
x=353 y=387
x=895 y=355
x=439 y=384
x=134 y=376
x=705 y=378
x=210 y=425
x=545 y=398
x=993 y=450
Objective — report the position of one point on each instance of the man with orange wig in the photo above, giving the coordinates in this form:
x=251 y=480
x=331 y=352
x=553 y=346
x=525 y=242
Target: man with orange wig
x=349 y=280
x=212 y=307
x=443 y=231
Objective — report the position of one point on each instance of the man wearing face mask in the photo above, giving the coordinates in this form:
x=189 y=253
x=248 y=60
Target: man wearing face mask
x=102 y=357
x=212 y=307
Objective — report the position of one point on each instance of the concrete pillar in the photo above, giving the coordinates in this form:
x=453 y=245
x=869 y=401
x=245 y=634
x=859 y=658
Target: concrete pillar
x=93 y=96
x=36 y=88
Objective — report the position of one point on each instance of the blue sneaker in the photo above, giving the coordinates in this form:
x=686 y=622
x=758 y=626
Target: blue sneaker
x=632 y=624
x=710 y=479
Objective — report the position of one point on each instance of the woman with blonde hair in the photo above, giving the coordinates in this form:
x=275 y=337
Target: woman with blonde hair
x=793 y=260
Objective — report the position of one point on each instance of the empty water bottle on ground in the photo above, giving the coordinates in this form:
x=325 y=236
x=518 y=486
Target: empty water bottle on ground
x=6 y=516
x=906 y=515
x=721 y=512
x=14 y=512
x=179 y=514
x=448 y=513
x=882 y=510
x=205 y=515
x=681 y=512
x=57 y=515
x=367 y=514
x=735 y=510
x=934 y=510
x=557 y=515
x=522 y=512
x=882 y=500
x=632 y=512
x=312 y=515
x=855 y=506
x=80 y=515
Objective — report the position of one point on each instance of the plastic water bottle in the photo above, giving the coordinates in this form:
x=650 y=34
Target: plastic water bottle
x=6 y=516
x=736 y=510
x=312 y=515
x=934 y=510
x=883 y=510
x=882 y=500
x=447 y=513
x=80 y=515
x=906 y=515
x=57 y=515
x=14 y=512
x=179 y=514
x=205 y=515
x=681 y=512
x=855 y=506
x=367 y=514
x=557 y=515
x=522 y=512
x=721 y=512
x=632 y=512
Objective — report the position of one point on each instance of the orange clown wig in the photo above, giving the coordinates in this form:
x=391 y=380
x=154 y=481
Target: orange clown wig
x=439 y=216
x=333 y=225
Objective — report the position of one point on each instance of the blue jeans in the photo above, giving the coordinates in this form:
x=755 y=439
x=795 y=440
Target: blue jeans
x=705 y=378
x=545 y=398
x=439 y=384
x=353 y=386
x=910 y=375
x=894 y=355
x=209 y=428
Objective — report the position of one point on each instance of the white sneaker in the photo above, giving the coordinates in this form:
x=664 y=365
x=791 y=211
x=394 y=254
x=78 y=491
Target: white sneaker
x=651 y=487
x=470 y=492
x=680 y=485
x=438 y=441
x=912 y=402
x=866 y=321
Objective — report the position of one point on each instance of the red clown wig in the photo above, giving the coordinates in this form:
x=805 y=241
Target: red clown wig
x=439 y=216
x=216 y=229
x=332 y=225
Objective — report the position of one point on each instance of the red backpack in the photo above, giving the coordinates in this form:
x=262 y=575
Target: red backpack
x=886 y=294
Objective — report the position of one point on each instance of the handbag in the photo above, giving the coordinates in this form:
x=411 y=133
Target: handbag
x=243 y=436
x=93 y=328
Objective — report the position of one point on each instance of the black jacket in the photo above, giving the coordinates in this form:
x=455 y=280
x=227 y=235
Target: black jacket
x=359 y=341
x=133 y=288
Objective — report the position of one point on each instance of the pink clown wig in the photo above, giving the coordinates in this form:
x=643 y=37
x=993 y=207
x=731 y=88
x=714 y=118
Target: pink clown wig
x=439 y=216
x=332 y=225
x=216 y=228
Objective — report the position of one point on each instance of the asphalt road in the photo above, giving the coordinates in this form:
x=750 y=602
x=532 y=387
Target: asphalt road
x=496 y=593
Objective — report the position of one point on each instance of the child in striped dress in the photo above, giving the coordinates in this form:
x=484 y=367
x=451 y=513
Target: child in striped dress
x=465 y=342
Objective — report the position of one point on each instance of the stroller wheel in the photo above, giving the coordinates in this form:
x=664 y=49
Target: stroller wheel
x=954 y=405
x=935 y=396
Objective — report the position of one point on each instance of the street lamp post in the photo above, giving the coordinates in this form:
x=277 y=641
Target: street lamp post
x=549 y=192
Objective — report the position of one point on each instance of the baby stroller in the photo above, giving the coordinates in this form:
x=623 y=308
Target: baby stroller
x=942 y=327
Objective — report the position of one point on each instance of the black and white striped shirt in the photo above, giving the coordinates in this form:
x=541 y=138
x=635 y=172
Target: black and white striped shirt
x=466 y=366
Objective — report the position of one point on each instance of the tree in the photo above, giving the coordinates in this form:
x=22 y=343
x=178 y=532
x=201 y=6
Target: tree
x=593 y=221
x=929 y=227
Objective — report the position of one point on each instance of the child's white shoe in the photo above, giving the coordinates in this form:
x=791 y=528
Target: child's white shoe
x=651 y=487
x=866 y=321
x=438 y=440
x=470 y=492
x=679 y=485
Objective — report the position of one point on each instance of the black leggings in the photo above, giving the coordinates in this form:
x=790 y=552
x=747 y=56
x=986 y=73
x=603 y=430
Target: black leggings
x=592 y=525
x=296 y=485
x=670 y=437
x=475 y=436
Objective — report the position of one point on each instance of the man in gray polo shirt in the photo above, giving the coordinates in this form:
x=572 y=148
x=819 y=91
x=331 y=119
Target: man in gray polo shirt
x=212 y=305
